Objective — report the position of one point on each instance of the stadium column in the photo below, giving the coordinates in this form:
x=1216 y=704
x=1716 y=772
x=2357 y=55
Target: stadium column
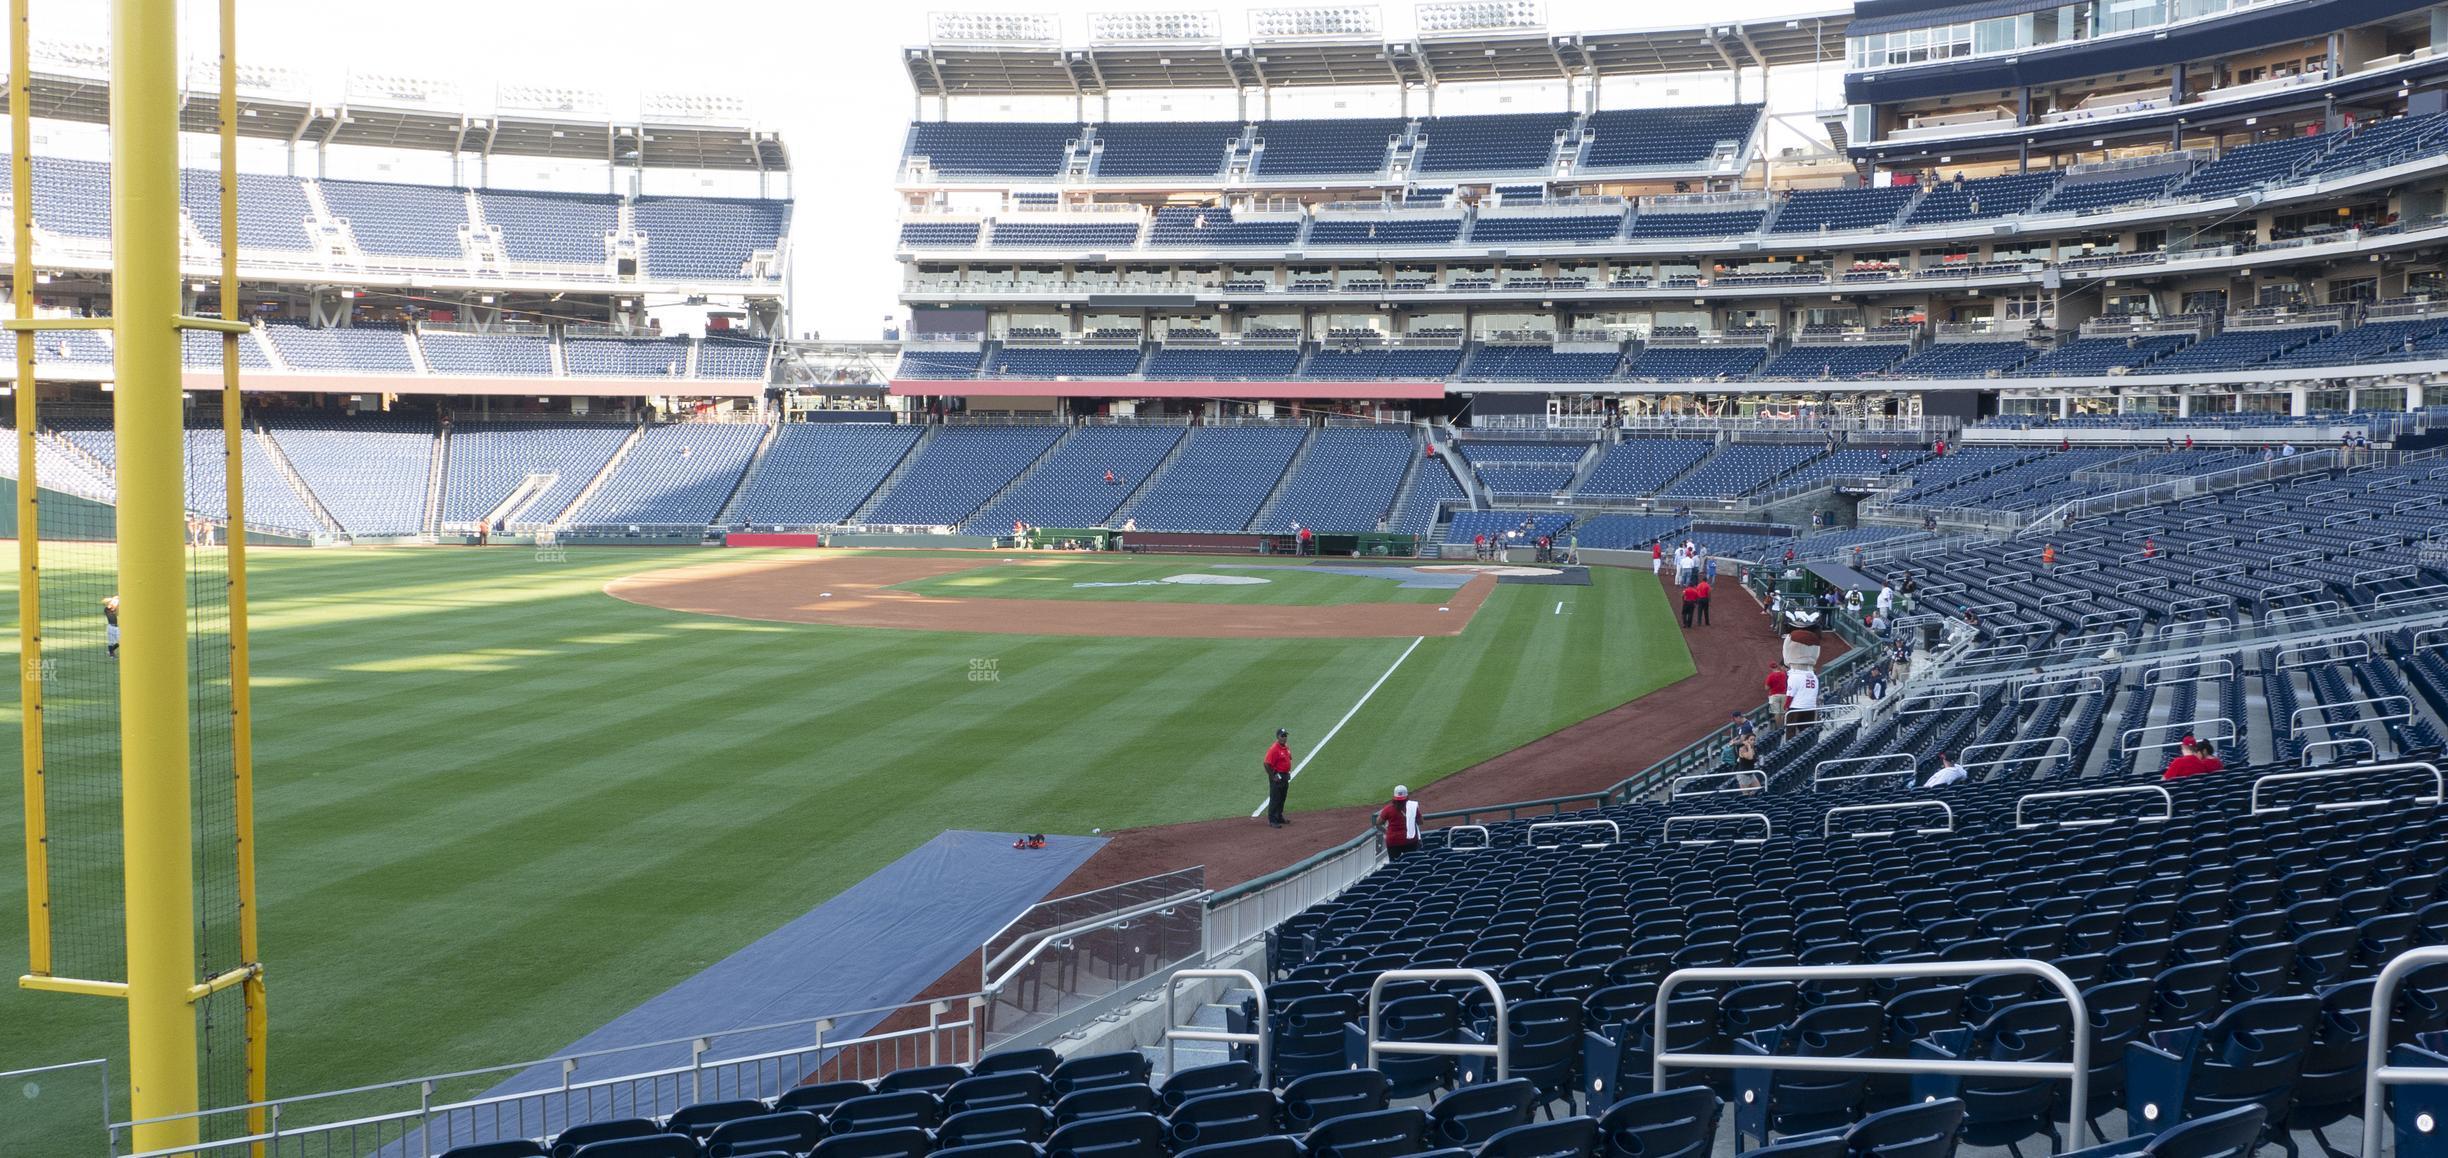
x=156 y=806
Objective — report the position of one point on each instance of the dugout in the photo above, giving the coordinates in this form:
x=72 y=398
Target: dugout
x=1093 y=538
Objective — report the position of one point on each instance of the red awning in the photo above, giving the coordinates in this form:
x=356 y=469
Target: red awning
x=1135 y=388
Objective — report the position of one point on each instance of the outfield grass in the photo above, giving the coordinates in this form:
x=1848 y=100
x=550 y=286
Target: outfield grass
x=498 y=808
x=1060 y=578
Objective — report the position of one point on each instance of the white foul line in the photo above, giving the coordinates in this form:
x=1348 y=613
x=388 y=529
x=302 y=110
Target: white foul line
x=1559 y=607
x=1355 y=710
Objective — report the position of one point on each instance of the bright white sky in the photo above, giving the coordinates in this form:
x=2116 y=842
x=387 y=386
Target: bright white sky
x=826 y=74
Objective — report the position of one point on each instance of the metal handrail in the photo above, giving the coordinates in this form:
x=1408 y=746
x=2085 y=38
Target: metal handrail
x=1819 y=774
x=2076 y=1070
x=1487 y=840
x=2282 y=662
x=1530 y=837
x=1825 y=822
x=2439 y=783
x=1175 y=1030
x=2378 y=1075
x=1674 y=787
x=2188 y=669
x=2370 y=750
x=2405 y=711
x=1666 y=830
x=1501 y=1051
x=1941 y=699
x=2048 y=750
x=2125 y=739
x=2052 y=689
x=2165 y=799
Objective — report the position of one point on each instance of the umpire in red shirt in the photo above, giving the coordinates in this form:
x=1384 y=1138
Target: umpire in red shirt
x=1279 y=777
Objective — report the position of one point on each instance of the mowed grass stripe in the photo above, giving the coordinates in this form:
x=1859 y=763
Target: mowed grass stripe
x=500 y=808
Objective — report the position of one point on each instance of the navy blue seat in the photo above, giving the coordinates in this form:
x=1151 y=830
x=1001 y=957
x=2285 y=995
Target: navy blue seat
x=1477 y=1113
x=1021 y=1087
x=990 y=1150
x=1104 y=1069
x=821 y=1097
x=699 y=1120
x=1272 y=1146
x=2251 y=1055
x=1769 y=1102
x=793 y=1130
x=886 y=1112
x=507 y=1148
x=1104 y=1102
x=898 y=1142
x=648 y=1146
x=932 y=1079
x=1678 y=1123
x=1200 y=1081
x=1319 y=1098
x=587 y=1133
x=1928 y=1130
x=995 y=1124
x=2003 y=1112
x=1226 y=1116
x=1120 y=1135
x=1380 y=1134
x=1039 y=1060
x=1562 y=1138
x=2232 y=1133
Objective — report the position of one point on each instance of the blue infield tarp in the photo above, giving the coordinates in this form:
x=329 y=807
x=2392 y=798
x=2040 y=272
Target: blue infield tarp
x=877 y=944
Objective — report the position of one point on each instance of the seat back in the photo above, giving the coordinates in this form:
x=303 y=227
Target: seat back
x=1319 y=1098
x=1225 y=1116
x=1104 y=1102
x=1018 y=1087
x=932 y=1079
x=886 y=1112
x=1562 y=1138
x=1666 y=1124
x=995 y=1124
x=647 y=1146
x=792 y=1130
x=506 y=1148
x=898 y=1142
x=1923 y=1130
x=1200 y=1081
x=1119 y=1136
x=1474 y=1114
x=2232 y=1133
x=821 y=1097
x=587 y=1133
x=1038 y=1060
x=1104 y=1069
x=1382 y=1132
x=700 y=1120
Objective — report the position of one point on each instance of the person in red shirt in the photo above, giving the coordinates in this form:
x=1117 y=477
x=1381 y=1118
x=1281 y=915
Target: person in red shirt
x=1399 y=820
x=1479 y=546
x=1776 y=695
x=1703 y=588
x=1691 y=604
x=1278 y=764
x=2065 y=444
x=2194 y=760
x=2150 y=548
x=1307 y=541
x=1657 y=557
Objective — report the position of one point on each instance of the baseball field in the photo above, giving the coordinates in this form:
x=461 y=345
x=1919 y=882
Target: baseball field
x=505 y=795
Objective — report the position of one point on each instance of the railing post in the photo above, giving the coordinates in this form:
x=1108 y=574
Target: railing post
x=1501 y=1051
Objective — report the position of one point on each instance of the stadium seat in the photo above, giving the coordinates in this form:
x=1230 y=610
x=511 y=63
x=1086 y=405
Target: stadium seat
x=571 y=1138
x=1006 y=1087
x=1474 y=1114
x=874 y=1112
x=1105 y=1101
x=2232 y=1133
x=996 y=1124
x=1006 y=1149
x=932 y=1079
x=1230 y=1116
x=1562 y=1138
x=1377 y=1134
x=1274 y=1146
x=1676 y=1123
x=508 y=1148
x=1201 y=1081
x=1038 y=1060
x=794 y=1131
x=897 y=1142
x=821 y=1097
x=1114 y=1136
x=643 y=1146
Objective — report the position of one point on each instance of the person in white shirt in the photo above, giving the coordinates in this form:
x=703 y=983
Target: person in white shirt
x=1886 y=601
x=1949 y=772
x=1801 y=697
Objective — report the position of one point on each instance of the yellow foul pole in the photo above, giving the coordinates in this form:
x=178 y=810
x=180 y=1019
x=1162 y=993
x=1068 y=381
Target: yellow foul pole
x=156 y=804
x=29 y=555
x=242 y=700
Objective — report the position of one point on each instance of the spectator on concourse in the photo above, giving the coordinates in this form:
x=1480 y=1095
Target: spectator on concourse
x=1950 y=771
x=2193 y=759
x=1776 y=695
x=1399 y=820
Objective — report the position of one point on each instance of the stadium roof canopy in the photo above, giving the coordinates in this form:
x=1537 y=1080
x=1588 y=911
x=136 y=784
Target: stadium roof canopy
x=670 y=131
x=1025 y=54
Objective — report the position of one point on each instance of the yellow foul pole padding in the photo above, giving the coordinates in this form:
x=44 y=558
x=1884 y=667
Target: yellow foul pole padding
x=242 y=699
x=29 y=556
x=156 y=795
